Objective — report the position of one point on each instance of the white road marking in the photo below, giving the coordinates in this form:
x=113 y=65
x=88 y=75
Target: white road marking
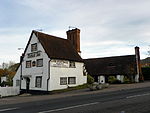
x=8 y=109
x=71 y=107
x=133 y=96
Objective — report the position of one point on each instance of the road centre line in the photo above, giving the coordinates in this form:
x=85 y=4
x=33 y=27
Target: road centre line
x=71 y=107
x=134 y=96
x=8 y=109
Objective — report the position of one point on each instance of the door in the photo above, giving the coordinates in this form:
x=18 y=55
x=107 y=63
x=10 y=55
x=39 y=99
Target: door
x=27 y=84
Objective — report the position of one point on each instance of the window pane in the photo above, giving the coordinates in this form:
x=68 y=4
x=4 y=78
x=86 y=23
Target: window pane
x=63 y=80
x=33 y=63
x=38 y=82
x=72 y=64
x=71 y=80
x=33 y=47
x=39 y=62
x=28 y=64
x=17 y=82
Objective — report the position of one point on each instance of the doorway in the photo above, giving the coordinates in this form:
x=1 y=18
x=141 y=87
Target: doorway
x=27 y=84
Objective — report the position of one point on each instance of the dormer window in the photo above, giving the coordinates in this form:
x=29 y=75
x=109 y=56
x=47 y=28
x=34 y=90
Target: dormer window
x=33 y=47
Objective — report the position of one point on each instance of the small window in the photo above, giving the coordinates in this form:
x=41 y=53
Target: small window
x=28 y=64
x=33 y=63
x=71 y=80
x=63 y=80
x=33 y=47
x=17 y=82
x=39 y=62
x=72 y=64
x=38 y=82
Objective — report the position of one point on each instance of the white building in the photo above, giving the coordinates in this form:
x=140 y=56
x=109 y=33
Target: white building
x=51 y=63
x=3 y=79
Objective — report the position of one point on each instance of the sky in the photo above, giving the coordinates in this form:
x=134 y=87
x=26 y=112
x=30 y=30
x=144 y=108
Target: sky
x=108 y=27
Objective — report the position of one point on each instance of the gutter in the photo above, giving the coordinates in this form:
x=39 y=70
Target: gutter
x=21 y=59
x=48 y=75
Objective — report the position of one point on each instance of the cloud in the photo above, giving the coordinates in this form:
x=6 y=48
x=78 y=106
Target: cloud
x=108 y=27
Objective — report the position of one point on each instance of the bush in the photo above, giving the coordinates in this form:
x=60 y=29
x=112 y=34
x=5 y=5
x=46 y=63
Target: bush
x=146 y=73
x=70 y=89
x=90 y=79
x=97 y=86
x=4 y=83
x=126 y=80
x=113 y=80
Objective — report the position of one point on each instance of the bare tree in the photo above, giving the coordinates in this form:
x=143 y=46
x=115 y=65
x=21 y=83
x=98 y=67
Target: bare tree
x=7 y=65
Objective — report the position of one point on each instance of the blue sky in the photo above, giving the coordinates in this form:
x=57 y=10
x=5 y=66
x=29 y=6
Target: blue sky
x=108 y=27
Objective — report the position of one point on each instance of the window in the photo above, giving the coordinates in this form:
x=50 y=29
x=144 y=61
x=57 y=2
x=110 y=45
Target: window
x=17 y=82
x=71 y=80
x=39 y=62
x=63 y=80
x=28 y=64
x=72 y=64
x=38 y=82
x=33 y=63
x=33 y=47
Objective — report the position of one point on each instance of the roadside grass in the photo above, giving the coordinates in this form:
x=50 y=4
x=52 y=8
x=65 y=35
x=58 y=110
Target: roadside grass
x=70 y=89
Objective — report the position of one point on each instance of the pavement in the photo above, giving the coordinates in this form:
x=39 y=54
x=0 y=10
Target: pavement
x=30 y=98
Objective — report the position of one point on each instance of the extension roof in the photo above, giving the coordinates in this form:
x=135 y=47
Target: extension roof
x=117 y=65
x=146 y=60
x=57 y=48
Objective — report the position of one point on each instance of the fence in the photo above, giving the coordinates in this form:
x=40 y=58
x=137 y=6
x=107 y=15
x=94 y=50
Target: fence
x=9 y=91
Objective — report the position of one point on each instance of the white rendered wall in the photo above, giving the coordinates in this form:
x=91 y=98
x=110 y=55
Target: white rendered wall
x=101 y=79
x=3 y=79
x=57 y=72
x=137 y=78
x=9 y=91
x=16 y=77
x=121 y=78
x=33 y=71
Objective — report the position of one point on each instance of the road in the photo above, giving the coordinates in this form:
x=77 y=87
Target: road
x=123 y=101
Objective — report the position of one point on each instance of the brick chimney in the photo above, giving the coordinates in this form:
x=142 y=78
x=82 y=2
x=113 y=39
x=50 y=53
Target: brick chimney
x=74 y=36
x=139 y=72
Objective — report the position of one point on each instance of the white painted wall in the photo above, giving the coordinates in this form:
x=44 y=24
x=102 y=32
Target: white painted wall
x=33 y=71
x=101 y=79
x=137 y=78
x=121 y=78
x=3 y=79
x=57 y=72
x=16 y=77
x=9 y=91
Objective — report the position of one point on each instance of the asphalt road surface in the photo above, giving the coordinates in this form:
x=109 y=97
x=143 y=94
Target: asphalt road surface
x=124 y=101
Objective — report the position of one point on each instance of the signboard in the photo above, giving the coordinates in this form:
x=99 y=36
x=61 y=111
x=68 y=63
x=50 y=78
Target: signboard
x=34 y=54
x=60 y=63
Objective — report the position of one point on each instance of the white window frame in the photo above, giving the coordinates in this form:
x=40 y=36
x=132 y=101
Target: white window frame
x=28 y=65
x=71 y=80
x=38 y=81
x=38 y=63
x=63 y=80
x=17 y=82
x=72 y=64
x=34 y=47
